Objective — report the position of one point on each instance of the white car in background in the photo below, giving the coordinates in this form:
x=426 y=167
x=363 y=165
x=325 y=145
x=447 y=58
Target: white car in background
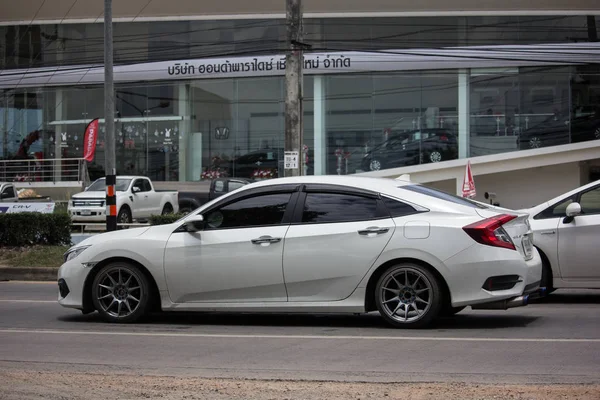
x=136 y=200
x=567 y=235
x=316 y=244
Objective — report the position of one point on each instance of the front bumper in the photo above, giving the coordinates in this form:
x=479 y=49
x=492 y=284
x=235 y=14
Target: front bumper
x=87 y=214
x=71 y=280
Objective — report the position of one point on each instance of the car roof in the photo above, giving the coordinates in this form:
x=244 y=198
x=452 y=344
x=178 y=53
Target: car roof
x=375 y=184
x=556 y=199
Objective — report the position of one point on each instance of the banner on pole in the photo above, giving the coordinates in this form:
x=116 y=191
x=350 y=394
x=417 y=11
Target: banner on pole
x=89 y=140
x=468 y=189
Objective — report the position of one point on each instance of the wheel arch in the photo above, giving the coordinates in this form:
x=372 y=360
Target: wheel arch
x=370 y=289
x=88 y=305
x=547 y=268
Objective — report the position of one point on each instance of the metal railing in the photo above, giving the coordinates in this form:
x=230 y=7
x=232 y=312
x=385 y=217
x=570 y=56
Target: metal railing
x=44 y=170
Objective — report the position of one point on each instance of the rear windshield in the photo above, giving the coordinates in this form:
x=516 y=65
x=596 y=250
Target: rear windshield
x=438 y=194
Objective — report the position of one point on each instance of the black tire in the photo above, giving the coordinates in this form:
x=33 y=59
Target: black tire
x=433 y=296
x=546 y=276
x=167 y=209
x=101 y=296
x=124 y=215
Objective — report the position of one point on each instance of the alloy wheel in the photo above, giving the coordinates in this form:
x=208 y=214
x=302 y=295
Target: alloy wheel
x=119 y=292
x=535 y=143
x=375 y=165
x=597 y=133
x=406 y=295
x=435 y=156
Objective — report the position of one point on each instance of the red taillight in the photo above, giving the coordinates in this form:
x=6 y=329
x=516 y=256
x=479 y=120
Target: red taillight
x=490 y=231
x=444 y=138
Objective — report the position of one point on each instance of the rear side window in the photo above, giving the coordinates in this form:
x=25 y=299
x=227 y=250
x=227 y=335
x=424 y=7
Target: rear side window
x=438 y=194
x=337 y=207
x=397 y=208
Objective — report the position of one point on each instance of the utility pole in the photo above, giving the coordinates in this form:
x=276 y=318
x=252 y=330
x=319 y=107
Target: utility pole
x=109 y=121
x=294 y=135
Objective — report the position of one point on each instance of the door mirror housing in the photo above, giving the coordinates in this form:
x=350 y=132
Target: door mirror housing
x=573 y=210
x=194 y=224
x=136 y=189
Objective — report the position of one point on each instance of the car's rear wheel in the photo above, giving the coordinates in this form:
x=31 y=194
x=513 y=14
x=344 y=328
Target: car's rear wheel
x=120 y=292
x=167 y=209
x=408 y=296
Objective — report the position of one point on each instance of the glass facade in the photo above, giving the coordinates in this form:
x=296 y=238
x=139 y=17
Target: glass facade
x=194 y=129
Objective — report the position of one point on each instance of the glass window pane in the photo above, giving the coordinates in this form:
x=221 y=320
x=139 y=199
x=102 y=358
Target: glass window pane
x=590 y=202
x=255 y=211
x=333 y=207
x=397 y=208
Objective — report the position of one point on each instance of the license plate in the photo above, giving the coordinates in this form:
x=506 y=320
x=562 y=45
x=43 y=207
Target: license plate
x=86 y=212
x=527 y=246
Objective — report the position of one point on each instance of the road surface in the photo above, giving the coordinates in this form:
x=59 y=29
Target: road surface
x=46 y=349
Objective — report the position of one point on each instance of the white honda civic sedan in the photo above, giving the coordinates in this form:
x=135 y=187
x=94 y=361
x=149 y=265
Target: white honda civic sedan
x=313 y=244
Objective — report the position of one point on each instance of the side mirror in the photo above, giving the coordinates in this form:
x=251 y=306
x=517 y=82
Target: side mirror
x=194 y=224
x=136 y=189
x=573 y=210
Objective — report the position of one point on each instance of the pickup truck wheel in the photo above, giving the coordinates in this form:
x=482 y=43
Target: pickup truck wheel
x=167 y=209
x=124 y=216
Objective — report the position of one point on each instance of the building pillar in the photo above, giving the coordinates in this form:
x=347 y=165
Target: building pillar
x=183 y=107
x=464 y=113
x=320 y=134
x=58 y=130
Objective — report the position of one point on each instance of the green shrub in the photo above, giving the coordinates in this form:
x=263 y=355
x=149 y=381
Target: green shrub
x=28 y=229
x=164 y=219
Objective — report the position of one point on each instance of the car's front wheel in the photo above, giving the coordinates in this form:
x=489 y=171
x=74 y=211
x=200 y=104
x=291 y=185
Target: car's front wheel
x=408 y=296
x=120 y=292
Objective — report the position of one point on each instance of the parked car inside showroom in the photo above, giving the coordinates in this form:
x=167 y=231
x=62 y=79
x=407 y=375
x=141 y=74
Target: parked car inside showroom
x=567 y=235
x=412 y=148
x=557 y=130
x=314 y=244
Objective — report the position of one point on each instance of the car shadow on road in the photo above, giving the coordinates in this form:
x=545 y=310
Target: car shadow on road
x=186 y=320
x=570 y=297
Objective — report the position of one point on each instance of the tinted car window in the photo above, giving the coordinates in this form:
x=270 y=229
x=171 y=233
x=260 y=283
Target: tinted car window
x=556 y=211
x=146 y=187
x=438 y=194
x=235 y=185
x=398 y=208
x=8 y=193
x=253 y=211
x=334 y=207
x=590 y=202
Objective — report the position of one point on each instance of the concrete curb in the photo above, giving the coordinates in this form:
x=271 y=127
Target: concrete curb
x=28 y=273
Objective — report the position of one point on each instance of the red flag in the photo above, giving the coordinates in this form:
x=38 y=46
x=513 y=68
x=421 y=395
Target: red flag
x=468 y=189
x=89 y=140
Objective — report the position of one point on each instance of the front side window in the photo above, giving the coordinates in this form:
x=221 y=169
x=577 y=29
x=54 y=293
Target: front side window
x=335 y=207
x=146 y=185
x=556 y=211
x=8 y=193
x=590 y=202
x=262 y=210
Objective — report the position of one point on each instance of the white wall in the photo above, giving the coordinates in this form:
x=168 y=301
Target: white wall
x=524 y=188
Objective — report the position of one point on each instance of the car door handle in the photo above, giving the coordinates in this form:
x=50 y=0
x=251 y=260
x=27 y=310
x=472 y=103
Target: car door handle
x=373 y=230
x=548 y=233
x=266 y=239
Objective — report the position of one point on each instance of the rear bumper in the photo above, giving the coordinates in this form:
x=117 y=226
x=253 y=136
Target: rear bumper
x=472 y=269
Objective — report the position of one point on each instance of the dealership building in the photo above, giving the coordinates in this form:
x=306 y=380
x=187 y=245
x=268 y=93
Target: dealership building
x=390 y=88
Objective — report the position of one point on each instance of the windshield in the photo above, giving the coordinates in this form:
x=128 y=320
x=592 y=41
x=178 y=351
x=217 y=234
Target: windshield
x=438 y=194
x=100 y=185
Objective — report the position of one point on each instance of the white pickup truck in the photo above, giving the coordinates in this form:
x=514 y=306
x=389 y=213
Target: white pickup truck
x=136 y=200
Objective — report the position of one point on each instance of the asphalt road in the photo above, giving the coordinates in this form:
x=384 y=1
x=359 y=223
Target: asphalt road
x=557 y=341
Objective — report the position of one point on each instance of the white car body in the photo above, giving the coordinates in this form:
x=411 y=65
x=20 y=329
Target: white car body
x=569 y=246
x=90 y=205
x=323 y=267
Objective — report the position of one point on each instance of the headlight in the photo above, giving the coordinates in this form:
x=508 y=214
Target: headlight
x=74 y=252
